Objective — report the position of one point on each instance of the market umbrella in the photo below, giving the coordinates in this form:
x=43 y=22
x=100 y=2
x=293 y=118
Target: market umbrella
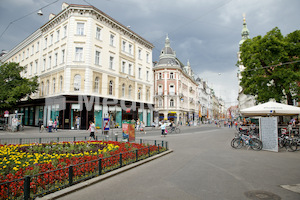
x=271 y=109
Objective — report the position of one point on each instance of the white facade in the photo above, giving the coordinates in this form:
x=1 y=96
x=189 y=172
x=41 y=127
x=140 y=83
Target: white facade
x=83 y=51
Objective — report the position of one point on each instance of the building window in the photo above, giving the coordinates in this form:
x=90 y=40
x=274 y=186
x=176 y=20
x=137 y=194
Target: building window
x=171 y=102
x=36 y=66
x=160 y=103
x=111 y=62
x=147 y=95
x=47 y=87
x=112 y=39
x=172 y=90
x=31 y=69
x=123 y=90
x=57 y=35
x=130 y=49
x=159 y=76
x=27 y=53
x=98 y=33
x=32 y=49
x=160 y=90
x=171 y=75
x=140 y=73
x=53 y=86
x=44 y=64
x=147 y=75
x=51 y=39
x=62 y=56
x=80 y=28
x=42 y=88
x=147 y=57
x=140 y=54
x=123 y=66
x=96 y=88
x=110 y=88
x=37 y=46
x=78 y=54
x=124 y=46
x=139 y=93
x=61 y=83
x=97 y=58
x=77 y=82
x=65 y=31
x=129 y=68
x=55 y=59
x=49 y=62
x=45 y=43
x=129 y=91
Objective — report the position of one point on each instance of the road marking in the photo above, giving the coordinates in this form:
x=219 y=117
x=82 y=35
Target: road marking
x=293 y=188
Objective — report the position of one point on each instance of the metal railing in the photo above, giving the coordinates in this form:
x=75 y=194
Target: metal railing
x=41 y=184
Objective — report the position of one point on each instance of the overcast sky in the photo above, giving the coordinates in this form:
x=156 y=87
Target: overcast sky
x=206 y=33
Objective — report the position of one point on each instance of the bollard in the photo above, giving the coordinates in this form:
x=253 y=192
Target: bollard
x=116 y=136
x=166 y=145
x=100 y=166
x=136 y=155
x=148 y=151
x=121 y=160
x=27 y=187
x=141 y=141
x=162 y=144
x=57 y=139
x=70 y=174
x=154 y=142
x=40 y=140
x=20 y=140
x=74 y=139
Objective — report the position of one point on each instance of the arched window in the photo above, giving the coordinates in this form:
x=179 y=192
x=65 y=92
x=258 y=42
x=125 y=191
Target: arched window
x=139 y=93
x=96 y=87
x=42 y=88
x=110 y=87
x=123 y=90
x=61 y=83
x=171 y=102
x=47 y=87
x=171 y=75
x=129 y=91
x=77 y=82
x=53 y=91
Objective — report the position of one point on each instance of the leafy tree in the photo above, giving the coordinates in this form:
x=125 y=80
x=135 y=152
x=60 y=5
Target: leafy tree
x=272 y=64
x=13 y=86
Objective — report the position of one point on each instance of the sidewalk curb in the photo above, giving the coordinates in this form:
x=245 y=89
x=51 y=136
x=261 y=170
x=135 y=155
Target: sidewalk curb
x=97 y=179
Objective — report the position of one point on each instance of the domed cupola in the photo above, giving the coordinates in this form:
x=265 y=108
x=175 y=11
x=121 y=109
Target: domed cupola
x=245 y=32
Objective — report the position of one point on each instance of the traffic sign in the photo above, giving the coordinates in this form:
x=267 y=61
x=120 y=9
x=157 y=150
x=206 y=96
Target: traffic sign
x=106 y=124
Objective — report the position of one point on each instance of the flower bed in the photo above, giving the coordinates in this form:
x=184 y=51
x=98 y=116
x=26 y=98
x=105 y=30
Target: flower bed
x=48 y=164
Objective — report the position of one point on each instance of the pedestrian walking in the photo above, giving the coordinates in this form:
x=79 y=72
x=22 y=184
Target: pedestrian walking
x=50 y=125
x=163 y=128
x=92 y=129
x=55 y=125
x=143 y=127
x=138 y=124
x=77 y=122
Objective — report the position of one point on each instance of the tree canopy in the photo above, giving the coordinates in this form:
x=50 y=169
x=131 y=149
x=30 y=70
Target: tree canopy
x=272 y=64
x=13 y=86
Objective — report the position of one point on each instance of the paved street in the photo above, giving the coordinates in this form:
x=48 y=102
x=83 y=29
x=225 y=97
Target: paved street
x=202 y=166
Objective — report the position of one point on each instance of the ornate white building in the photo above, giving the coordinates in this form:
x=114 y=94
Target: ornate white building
x=83 y=51
x=175 y=88
x=244 y=101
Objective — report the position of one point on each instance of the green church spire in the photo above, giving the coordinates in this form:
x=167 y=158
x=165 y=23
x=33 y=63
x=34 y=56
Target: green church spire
x=245 y=31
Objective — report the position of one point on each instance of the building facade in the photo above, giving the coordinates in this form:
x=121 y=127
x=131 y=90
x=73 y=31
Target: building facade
x=89 y=66
x=244 y=101
x=175 y=89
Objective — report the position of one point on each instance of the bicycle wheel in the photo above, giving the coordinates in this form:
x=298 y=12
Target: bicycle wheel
x=177 y=130
x=281 y=142
x=292 y=145
x=255 y=144
x=237 y=143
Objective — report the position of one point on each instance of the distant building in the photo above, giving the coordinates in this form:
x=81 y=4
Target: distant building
x=175 y=89
x=82 y=51
x=244 y=101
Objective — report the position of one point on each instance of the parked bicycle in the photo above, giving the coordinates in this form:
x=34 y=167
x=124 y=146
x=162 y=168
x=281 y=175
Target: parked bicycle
x=290 y=143
x=246 y=140
x=174 y=129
